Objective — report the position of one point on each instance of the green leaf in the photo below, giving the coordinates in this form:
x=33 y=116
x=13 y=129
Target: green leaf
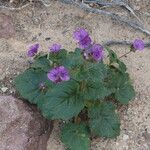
x=121 y=78
x=123 y=90
x=125 y=93
x=75 y=136
x=75 y=63
x=62 y=102
x=94 y=80
x=112 y=56
x=59 y=57
x=114 y=59
x=96 y=71
x=28 y=84
x=104 y=121
x=41 y=63
x=122 y=66
x=74 y=59
x=95 y=91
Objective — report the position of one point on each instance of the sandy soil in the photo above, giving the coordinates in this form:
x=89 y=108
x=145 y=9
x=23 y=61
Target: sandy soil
x=56 y=24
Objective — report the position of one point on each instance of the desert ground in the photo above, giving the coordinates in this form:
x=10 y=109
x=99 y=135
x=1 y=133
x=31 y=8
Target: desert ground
x=55 y=24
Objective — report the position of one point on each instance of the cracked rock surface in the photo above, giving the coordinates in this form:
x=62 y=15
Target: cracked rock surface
x=22 y=127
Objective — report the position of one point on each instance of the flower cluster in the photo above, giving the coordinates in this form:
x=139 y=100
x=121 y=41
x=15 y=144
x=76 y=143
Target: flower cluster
x=90 y=51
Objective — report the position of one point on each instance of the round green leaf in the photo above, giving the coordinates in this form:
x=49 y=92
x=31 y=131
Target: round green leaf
x=59 y=57
x=96 y=71
x=63 y=102
x=41 y=63
x=95 y=91
x=75 y=136
x=104 y=121
x=74 y=59
x=28 y=84
x=125 y=93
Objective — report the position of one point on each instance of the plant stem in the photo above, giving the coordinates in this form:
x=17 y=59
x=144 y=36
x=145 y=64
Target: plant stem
x=77 y=119
x=75 y=80
x=49 y=59
x=48 y=55
x=125 y=54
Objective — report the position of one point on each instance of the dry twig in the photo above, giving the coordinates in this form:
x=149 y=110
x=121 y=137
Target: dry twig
x=114 y=16
x=24 y=6
x=114 y=3
x=83 y=4
x=112 y=43
x=13 y=8
x=43 y=2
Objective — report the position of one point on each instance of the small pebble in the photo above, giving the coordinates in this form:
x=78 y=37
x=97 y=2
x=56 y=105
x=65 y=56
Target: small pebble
x=4 y=89
x=34 y=38
x=47 y=39
x=125 y=137
x=39 y=34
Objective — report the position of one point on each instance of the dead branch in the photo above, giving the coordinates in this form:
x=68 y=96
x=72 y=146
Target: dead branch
x=13 y=8
x=24 y=6
x=125 y=43
x=43 y=2
x=83 y=4
x=113 y=16
x=114 y=3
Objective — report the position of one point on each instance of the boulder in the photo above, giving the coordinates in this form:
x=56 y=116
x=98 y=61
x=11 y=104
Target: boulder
x=21 y=126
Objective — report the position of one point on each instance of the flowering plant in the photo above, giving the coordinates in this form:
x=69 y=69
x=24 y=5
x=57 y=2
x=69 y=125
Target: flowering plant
x=79 y=88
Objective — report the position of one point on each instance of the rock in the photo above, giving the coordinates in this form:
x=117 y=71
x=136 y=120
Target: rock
x=125 y=137
x=4 y=89
x=21 y=126
x=7 y=29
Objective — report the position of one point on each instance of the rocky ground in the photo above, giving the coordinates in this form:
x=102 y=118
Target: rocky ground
x=56 y=23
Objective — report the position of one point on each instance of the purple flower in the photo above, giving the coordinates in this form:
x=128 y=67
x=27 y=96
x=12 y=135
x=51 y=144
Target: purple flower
x=55 y=48
x=33 y=50
x=97 y=52
x=85 y=43
x=82 y=36
x=138 y=44
x=58 y=74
